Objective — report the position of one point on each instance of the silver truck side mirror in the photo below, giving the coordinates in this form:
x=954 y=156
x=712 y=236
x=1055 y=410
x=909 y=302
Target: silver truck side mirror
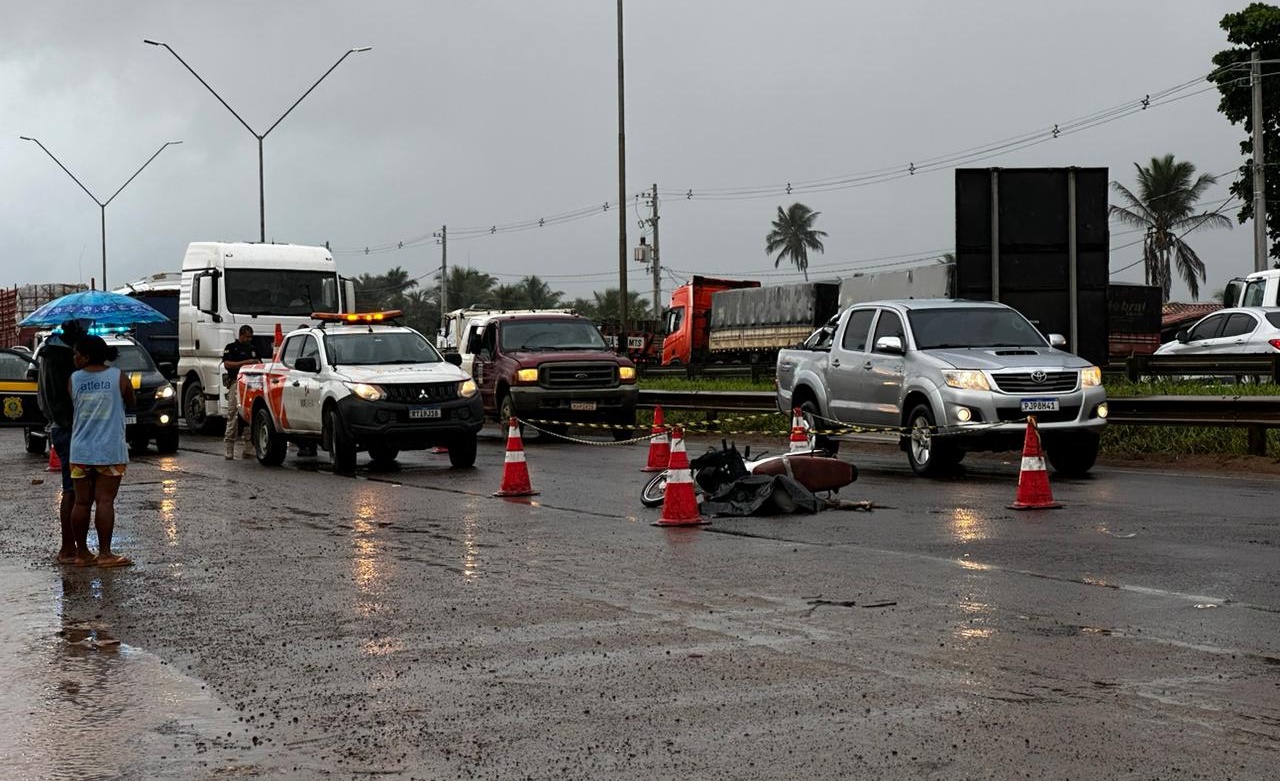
x=1057 y=340
x=889 y=344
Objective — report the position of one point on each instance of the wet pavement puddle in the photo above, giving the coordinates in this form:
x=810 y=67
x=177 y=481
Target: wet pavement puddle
x=76 y=703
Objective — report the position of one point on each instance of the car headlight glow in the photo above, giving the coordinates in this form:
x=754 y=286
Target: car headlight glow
x=527 y=375
x=366 y=391
x=467 y=389
x=967 y=380
x=626 y=373
x=165 y=393
x=1091 y=377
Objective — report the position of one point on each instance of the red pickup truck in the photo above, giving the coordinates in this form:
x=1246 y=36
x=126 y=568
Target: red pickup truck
x=556 y=368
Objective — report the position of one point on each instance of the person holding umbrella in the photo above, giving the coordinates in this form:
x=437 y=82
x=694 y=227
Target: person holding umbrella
x=99 y=451
x=53 y=393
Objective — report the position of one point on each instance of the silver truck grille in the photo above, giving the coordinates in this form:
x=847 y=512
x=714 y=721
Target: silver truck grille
x=1037 y=381
x=579 y=375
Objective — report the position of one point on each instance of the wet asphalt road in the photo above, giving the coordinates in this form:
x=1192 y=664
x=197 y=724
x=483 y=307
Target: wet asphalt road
x=293 y=624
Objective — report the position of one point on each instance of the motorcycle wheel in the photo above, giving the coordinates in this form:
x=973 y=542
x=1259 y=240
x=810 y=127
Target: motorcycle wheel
x=655 y=490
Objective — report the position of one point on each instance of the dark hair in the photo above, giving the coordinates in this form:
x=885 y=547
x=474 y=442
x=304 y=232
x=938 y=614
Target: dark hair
x=246 y=329
x=72 y=332
x=96 y=350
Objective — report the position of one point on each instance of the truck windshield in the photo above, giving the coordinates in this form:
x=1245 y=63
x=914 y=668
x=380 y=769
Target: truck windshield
x=972 y=327
x=280 y=292
x=372 y=349
x=529 y=335
x=133 y=358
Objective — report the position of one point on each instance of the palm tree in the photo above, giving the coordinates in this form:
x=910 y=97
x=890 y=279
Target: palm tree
x=793 y=235
x=1165 y=208
x=606 y=305
x=468 y=287
x=538 y=294
x=509 y=297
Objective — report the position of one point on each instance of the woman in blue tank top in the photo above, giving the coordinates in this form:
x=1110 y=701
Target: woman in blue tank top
x=99 y=452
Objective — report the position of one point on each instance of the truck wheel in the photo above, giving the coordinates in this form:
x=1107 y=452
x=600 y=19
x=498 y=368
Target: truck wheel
x=268 y=444
x=1073 y=455
x=34 y=441
x=139 y=441
x=821 y=441
x=342 y=451
x=462 y=452
x=198 y=420
x=507 y=411
x=383 y=454
x=167 y=441
x=928 y=454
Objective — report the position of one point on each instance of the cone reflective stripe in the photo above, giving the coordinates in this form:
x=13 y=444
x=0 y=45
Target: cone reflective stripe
x=659 y=444
x=1033 y=479
x=515 y=472
x=55 y=463
x=679 y=503
x=799 y=432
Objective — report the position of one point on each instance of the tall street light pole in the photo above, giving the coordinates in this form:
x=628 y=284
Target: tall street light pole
x=262 y=197
x=102 y=205
x=622 y=202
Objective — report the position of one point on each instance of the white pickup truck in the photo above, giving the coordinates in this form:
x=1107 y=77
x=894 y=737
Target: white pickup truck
x=948 y=377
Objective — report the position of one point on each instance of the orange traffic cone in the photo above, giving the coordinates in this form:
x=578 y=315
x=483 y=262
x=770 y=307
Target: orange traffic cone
x=679 y=503
x=515 y=472
x=55 y=463
x=279 y=337
x=799 y=432
x=659 y=444
x=1033 y=480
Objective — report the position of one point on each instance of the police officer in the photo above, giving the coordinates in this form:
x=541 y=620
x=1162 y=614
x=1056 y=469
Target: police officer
x=239 y=353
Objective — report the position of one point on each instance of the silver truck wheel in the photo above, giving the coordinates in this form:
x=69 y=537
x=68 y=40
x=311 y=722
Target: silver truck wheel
x=927 y=454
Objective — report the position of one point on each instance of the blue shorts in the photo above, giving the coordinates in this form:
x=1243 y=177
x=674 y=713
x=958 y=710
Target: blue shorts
x=60 y=441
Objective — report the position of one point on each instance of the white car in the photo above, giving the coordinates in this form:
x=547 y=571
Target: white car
x=1246 y=329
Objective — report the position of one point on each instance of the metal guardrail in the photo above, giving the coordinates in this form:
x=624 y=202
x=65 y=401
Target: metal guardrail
x=1255 y=413
x=1261 y=365
x=755 y=371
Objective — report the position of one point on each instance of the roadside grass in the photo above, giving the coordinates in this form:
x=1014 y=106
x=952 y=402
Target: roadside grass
x=1130 y=442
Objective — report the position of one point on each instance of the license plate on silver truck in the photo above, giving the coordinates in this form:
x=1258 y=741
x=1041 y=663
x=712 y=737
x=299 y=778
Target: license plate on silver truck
x=1039 y=405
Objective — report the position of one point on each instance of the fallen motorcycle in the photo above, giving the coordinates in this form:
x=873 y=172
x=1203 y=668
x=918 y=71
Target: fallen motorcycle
x=816 y=470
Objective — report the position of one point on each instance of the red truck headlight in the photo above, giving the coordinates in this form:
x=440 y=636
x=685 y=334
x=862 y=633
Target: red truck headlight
x=527 y=376
x=627 y=373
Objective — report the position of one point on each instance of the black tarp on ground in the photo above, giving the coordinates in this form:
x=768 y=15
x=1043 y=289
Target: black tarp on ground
x=761 y=495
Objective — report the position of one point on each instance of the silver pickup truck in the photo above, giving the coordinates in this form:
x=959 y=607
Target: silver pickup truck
x=950 y=377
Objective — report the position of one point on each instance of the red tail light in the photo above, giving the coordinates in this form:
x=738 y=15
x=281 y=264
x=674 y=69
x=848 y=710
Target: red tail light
x=1275 y=343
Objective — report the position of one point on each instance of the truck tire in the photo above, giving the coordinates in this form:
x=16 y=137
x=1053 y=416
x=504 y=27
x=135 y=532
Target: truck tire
x=34 y=441
x=383 y=454
x=462 y=452
x=167 y=441
x=198 y=420
x=928 y=455
x=507 y=411
x=1073 y=455
x=269 y=445
x=342 y=451
x=820 y=441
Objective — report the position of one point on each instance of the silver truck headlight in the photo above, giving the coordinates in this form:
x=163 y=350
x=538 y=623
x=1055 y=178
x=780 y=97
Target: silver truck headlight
x=366 y=391
x=1090 y=377
x=467 y=389
x=966 y=380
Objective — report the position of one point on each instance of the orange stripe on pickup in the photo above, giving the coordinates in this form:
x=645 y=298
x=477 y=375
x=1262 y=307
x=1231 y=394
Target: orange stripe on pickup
x=17 y=386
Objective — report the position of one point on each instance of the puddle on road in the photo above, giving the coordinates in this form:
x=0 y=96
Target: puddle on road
x=75 y=703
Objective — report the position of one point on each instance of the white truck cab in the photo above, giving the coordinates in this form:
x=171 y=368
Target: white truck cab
x=463 y=327
x=227 y=285
x=1261 y=288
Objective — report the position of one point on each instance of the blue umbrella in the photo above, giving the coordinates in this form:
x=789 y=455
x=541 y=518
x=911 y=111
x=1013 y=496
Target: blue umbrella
x=104 y=308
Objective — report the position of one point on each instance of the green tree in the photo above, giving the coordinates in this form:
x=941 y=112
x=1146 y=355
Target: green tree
x=585 y=307
x=538 y=294
x=1257 y=26
x=1165 y=209
x=605 y=306
x=793 y=235
x=468 y=288
x=509 y=297
x=383 y=291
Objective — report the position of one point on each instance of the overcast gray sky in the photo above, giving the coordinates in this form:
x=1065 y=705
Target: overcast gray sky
x=477 y=113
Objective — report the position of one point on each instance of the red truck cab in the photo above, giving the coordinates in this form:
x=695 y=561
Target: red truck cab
x=688 y=320
x=555 y=370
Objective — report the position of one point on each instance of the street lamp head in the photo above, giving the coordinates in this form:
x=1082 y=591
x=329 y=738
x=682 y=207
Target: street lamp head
x=26 y=138
x=361 y=49
x=167 y=143
x=154 y=43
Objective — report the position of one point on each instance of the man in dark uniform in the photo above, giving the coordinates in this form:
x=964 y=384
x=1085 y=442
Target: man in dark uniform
x=239 y=353
x=53 y=393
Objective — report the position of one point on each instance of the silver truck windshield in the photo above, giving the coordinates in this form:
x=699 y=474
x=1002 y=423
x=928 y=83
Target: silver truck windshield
x=530 y=335
x=372 y=349
x=972 y=327
x=278 y=292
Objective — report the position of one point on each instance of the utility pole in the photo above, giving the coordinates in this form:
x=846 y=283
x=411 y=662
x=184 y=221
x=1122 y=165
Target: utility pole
x=656 y=256
x=1259 y=168
x=623 y=325
x=443 y=238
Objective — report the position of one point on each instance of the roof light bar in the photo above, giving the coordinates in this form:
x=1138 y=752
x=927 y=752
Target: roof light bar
x=356 y=317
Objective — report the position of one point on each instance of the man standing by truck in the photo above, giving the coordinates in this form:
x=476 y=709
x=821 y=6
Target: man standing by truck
x=239 y=353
